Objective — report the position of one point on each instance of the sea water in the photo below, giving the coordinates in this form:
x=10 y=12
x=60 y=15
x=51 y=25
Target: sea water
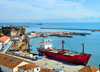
x=91 y=42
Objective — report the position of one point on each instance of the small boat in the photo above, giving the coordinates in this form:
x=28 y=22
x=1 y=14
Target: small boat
x=68 y=36
x=61 y=35
x=39 y=23
x=63 y=54
x=43 y=35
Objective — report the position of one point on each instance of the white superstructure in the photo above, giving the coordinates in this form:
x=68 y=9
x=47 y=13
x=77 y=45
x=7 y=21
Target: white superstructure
x=46 y=44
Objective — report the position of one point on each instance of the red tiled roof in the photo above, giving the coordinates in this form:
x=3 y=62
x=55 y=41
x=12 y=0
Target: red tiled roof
x=32 y=35
x=2 y=34
x=9 y=61
x=89 y=69
x=57 y=32
x=28 y=66
x=47 y=33
x=44 y=70
x=4 y=38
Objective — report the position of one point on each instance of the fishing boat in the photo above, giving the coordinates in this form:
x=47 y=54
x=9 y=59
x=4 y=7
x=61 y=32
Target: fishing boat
x=39 y=23
x=63 y=54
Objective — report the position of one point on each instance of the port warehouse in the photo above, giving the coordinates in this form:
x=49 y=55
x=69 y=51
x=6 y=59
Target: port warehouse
x=4 y=42
x=9 y=64
x=32 y=35
x=28 y=36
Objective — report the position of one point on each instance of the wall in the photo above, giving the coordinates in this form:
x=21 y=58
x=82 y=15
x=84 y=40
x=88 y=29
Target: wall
x=98 y=71
x=21 y=64
x=34 y=69
x=5 y=69
x=7 y=41
x=0 y=46
x=14 y=33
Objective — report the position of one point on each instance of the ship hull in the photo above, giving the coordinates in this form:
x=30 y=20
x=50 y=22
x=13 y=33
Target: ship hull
x=77 y=59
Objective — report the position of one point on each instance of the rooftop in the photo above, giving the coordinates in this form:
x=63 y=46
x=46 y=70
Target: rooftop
x=32 y=34
x=44 y=70
x=28 y=66
x=89 y=69
x=4 y=38
x=9 y=61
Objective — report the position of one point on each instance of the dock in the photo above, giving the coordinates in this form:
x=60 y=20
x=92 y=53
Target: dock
x=50 y=63
x=93 y=30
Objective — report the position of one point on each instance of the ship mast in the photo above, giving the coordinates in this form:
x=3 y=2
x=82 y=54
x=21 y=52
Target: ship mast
x=62 y=45
x=83 y=48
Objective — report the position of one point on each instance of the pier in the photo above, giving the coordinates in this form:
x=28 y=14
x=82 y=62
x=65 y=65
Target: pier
x=93 y=30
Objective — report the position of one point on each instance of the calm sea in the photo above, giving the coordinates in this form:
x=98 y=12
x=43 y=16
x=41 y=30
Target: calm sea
x=91 y=42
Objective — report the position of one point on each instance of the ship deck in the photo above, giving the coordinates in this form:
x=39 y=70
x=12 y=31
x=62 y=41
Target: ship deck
x=68 y=54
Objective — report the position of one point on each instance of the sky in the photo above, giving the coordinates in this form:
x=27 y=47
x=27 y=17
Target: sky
x=49 y=11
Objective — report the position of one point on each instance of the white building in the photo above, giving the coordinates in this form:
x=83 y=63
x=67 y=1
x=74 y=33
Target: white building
x=0 y=45
x=32 y=68
x=9 y=63
x=29 y=68
x=4 y=39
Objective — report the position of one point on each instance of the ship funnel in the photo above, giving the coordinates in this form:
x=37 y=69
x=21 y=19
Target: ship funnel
x=62 y=44
x=83 y=48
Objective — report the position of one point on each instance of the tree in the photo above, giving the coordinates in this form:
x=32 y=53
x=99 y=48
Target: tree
x=0 y=33
x=11 y=26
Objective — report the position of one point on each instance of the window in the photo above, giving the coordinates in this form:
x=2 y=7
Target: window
x=37 y=69
x=11 y=60
x=5 y=58
x=18 y=70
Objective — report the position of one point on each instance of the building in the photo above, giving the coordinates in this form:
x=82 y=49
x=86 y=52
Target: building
x=9 y=63
x=4 y=39
x=13 y=64
x=0 y=45
x=89 y=69
x=66 y=32
x=29 y=68
x=38 y=34
x=45 y=70
x=32 y=68
x=13 y=30
x=31 y=35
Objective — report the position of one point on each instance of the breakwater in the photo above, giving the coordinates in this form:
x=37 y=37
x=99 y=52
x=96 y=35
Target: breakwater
x=93 y=30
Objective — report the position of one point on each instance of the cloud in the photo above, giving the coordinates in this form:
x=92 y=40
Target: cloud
x=18 y=10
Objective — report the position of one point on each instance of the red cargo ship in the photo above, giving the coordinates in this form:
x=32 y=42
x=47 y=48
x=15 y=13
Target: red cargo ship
x=63 y=54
